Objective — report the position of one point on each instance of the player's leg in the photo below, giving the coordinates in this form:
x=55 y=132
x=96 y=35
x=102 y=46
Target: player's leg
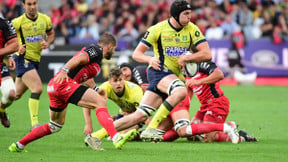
x=91 y=99
x=57 y=119
x=32 y=80
x=8 y=91
x=176 y=90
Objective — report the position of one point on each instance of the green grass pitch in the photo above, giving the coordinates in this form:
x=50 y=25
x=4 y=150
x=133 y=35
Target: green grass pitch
x=261 y=110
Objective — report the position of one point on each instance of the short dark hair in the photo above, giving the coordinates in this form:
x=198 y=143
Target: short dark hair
x=116 y=71
x=107 y=38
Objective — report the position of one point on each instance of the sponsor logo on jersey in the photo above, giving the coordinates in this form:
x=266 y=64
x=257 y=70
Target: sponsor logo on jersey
x=175 y=51
x=36 y=38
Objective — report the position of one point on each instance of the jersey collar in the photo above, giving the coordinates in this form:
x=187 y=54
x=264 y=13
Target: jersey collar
x=177 y=29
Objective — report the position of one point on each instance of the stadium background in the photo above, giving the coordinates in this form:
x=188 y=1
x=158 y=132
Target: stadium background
x=71 y=18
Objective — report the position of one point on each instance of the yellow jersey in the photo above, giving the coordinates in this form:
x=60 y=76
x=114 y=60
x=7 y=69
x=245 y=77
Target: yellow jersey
x=131 y=98
x=168 y=43
x=30 y=32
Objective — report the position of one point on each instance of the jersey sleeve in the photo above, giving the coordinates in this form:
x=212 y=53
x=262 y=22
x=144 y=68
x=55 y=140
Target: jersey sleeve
x=48 y=24
x=151 y=36
x=137 y=94
x=8 y=30
x=207 y=67
x=197 y=35
x=94 y=53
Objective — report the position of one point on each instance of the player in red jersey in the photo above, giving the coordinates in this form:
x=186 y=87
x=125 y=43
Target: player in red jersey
x=8 y=45
x=214 y=108
x=66 y=88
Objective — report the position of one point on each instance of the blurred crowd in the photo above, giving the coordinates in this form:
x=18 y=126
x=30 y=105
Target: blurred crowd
x=129 y=19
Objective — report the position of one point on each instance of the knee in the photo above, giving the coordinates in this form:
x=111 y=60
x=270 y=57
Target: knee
x=54 y=127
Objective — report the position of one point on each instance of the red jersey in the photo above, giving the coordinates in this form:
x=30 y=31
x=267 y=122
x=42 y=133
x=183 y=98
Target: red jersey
x=84 y=72
x=7 y=32
x=59 y=94
x=206 y=92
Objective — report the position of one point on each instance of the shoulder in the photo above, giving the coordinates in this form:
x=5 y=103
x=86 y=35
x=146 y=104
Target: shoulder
x=44 y=16
x=18 y=19
x=105 y=85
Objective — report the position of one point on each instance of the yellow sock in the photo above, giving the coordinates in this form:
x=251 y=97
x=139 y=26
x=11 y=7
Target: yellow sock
x=160 y=115
x=102 y=133
x=33 y=107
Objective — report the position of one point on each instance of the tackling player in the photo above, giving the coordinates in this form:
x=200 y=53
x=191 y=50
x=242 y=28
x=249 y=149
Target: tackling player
x=65 y=87
x=34 y=32
x=214 y=108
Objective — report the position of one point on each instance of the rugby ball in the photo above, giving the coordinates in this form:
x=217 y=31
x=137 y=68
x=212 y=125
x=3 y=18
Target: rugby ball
x=190 y=69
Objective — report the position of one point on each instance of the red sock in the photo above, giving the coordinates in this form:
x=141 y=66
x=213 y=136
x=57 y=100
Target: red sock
x=35 y=134
x=170 y=135
x=201 y=128
x=106 y=121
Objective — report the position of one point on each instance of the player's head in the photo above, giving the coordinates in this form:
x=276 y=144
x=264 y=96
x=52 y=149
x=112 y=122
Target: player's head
x=127 y=69
x=116 y=80
x=31 y=7
x=109 y=43
x=177 y=7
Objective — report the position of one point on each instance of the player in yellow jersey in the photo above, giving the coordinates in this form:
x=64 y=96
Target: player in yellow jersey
x=34 y=32
x=125 y=94
x=170 y=40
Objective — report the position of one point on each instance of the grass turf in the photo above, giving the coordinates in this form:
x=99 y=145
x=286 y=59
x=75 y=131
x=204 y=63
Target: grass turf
x=261 y=110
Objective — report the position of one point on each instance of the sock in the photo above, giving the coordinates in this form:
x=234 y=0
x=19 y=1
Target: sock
x=33 y=107
x=35 y=134
x=202 y=128
x=160 y=115
x=170 y=135
x=102 y=133
x=106 y=121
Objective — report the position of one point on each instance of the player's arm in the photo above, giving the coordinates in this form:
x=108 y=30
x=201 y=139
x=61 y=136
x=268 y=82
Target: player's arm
x=214 y=77
x=10 y=47
x=88 y=121
x=50 y=37
x=79 y=59
x=203 y=54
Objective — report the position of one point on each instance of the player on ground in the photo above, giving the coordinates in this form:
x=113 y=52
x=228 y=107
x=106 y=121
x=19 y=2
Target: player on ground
x=8 y=45
x=66 y=88
x=214 y=108
x=34 y=32
x=125 y=94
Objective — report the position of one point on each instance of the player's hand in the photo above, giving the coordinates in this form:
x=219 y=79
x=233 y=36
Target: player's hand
x=155 y=63
x=61 y=77
x=22 y=49
x=181 y=61
x=43 y=44
x=192 y=82
x=12 y=64
x=88 y=129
